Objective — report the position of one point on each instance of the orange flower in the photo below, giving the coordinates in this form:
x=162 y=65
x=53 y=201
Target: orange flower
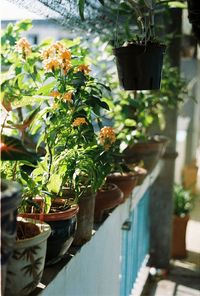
x=48 y=52
x=55 y=93
x=57 y=46
x=79 y=121
x=107 y=137
x=66 y=66
x=23 y=46
x=83 y=68
x=67 y=96
x=65 y=55
x=51 y=64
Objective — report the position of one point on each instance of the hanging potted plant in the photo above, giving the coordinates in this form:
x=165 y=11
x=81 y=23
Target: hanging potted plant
x=139 y=62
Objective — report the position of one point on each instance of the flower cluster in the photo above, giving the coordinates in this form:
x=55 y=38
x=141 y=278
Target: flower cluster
x=24 y=47
x=79 y=121
x=107 y=137
x=56 y=56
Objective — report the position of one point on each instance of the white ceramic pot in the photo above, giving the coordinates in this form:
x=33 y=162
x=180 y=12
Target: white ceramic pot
x=25 y=268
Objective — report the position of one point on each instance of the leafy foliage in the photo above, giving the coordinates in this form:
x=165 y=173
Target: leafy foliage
x=183 y=201
x=64 y=116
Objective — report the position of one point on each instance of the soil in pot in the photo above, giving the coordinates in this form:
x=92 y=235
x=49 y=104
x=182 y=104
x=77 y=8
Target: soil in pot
x=140 y=65
x=107 y=198
x=25 y=268
x=125 y=181
x=26 y=230
x=63 y=221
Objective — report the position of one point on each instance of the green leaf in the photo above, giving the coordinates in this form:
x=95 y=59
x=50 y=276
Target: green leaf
x=31 y=116
x=55 y=183
x=46 y=89
x=81 y=5
x=28 y=100
x=177 y=4
x=130 y=122
x=101 y=1
x=23 y=25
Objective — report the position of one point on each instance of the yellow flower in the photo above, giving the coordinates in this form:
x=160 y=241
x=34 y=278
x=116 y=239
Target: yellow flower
x=107 y=137
x=65 y=55
x=23 y=46
x=83 y=68
x=79 y=121
x=55 y=93
x=67 y=96
x=51 y=64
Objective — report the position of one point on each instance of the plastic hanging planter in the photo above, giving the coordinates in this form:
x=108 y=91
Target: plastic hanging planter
x=139 y=66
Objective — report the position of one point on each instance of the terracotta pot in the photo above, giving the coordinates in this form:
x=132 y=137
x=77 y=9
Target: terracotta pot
x=26 y=266
x=178 y=236
x=125 y=181
x=85 y=219
x=63 y=225
x=10 y=198
x=147 y=152
x=141 y=174
x=107 y=198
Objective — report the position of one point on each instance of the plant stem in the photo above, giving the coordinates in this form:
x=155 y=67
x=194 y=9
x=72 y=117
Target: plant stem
x=50 y=160
x=14 y=170
x=3 y=124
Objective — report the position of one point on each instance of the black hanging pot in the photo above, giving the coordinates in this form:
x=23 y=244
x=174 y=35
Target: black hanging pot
x=139 y=66
x=194 y=17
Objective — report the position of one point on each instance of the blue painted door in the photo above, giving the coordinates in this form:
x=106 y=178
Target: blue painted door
x=135 y=244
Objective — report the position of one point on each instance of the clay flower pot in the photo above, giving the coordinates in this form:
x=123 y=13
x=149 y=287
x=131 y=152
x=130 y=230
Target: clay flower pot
x=125 y=181
x=178 y=236
x=139 y=171
x=63 y=224
x=26 y=265
x=108 y=197
x=147 y=152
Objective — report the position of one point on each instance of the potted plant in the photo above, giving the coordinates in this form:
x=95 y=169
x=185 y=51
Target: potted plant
x=31 y=235
x=26 y=265
x=65 y=126
x=107 y=198
x=139 y=62
x=10 y=199
x=133 y=118
x=139 y=118
x=183 y=202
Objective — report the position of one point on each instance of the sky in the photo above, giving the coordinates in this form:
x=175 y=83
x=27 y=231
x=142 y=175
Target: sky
x=10 y=11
